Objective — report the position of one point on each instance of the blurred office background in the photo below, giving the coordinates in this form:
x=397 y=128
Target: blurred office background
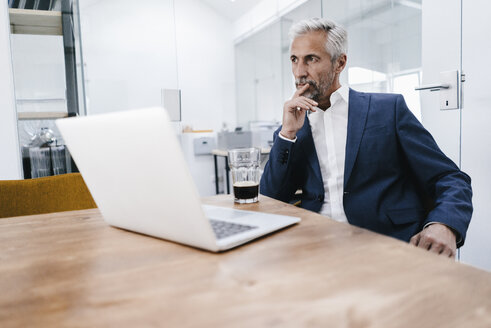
x=223 y=67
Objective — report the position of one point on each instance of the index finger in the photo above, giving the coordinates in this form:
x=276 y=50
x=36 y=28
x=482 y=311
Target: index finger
x=448 y=252
x=415 y=239
x=301 y=90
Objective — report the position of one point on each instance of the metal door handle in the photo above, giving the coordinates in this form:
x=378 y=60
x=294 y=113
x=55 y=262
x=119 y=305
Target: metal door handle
x=433 y=87
x=448 y=87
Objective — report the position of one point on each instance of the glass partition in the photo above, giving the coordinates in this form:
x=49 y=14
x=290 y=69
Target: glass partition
x=263 y=70
x=309 y=9
x=258 y=76
x=384 y=52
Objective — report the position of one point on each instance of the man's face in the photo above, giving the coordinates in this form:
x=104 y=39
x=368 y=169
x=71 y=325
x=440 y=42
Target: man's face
x=311 y=64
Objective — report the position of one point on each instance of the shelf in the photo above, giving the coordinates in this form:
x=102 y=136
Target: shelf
x=41 y=115
x=38 y=22
x=39 y=100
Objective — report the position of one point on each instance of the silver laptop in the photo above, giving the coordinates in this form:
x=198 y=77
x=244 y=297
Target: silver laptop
x=133 y=165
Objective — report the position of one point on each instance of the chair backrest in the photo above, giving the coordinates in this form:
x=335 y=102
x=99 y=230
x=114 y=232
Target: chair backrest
x=58 y=193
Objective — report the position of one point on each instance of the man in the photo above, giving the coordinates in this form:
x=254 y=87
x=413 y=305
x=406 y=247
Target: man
x=362 y=158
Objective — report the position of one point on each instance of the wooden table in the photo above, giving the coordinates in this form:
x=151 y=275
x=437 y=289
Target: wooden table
x=72 y=270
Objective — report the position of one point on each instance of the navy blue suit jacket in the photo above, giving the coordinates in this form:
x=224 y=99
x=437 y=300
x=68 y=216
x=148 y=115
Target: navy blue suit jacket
x=396 y=179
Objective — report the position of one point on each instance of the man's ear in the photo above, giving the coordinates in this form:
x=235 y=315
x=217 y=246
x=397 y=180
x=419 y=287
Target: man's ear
x=341 y=63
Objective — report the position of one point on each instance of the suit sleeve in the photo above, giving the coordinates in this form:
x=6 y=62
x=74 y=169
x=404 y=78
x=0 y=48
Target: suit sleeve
x=447 y=185
x=278 y=180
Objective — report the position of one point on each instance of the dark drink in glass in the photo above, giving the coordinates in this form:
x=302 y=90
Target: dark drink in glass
x=246 y=190
x=244 y=168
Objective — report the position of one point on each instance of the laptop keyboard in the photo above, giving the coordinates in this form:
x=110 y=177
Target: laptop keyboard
x=223 y=229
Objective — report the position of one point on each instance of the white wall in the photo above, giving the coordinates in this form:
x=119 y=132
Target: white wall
x=10 y=161
x=206 y=71
x=476 y=134
x=131 y=52
x=205 y=56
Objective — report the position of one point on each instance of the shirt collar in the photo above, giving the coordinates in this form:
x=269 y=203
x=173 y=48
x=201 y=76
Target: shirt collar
x=340 y=94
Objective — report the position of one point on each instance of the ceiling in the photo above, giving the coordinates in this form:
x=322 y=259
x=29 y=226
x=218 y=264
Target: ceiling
x=232 y=9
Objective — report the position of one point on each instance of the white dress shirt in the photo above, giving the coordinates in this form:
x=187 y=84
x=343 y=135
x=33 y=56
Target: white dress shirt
x=329 y=131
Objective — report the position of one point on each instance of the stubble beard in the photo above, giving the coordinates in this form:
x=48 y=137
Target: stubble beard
x=319 y=89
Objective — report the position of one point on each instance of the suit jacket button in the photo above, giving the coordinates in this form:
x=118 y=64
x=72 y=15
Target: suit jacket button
x=346 y=193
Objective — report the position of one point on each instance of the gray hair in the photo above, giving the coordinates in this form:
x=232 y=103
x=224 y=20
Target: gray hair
x=337 y=37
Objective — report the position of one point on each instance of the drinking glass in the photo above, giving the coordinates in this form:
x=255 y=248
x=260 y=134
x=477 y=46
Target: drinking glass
x=58 y=157
x=244 y=168
x=40 y=161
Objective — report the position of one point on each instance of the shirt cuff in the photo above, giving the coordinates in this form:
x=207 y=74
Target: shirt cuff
x=285 y=138
x=457 y=235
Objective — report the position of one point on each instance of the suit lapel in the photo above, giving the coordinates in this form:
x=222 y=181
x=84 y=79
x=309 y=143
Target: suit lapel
x=307 y=144
x=357 y=117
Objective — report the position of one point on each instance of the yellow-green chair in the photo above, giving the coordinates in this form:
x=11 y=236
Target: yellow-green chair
x=66 y=192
